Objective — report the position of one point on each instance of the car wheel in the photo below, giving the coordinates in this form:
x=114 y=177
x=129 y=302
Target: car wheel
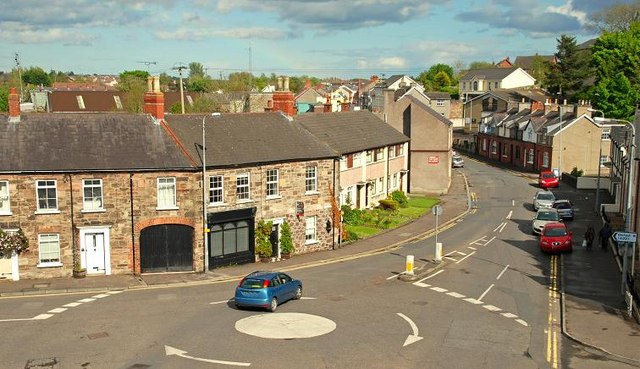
x=274 y=305
x=298 y=293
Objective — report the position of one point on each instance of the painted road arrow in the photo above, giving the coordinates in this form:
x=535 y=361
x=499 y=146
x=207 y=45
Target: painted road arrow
x=412 y=338
x=174 y=351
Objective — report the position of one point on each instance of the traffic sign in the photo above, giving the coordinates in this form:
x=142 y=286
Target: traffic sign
x=625 y=237
x=437 y=210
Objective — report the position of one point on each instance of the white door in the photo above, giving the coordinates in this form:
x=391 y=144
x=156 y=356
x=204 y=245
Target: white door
x=6 y=266
x=94 y=253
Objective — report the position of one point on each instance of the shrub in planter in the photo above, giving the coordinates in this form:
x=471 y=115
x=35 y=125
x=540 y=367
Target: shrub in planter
x=17 y=242
x=388 y=204
x=286 y=241
x=263 y=243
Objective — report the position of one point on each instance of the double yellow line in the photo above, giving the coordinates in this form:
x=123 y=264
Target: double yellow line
x=552 y=323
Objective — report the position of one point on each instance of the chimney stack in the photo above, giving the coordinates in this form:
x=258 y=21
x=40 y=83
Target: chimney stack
x=154 y=98
x=328 y=107
x=14 y=105
x=283 y=99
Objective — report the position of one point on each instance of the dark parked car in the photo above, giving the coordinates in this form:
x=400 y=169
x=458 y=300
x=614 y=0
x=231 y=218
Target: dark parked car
x=565 y=209
x=267 y=290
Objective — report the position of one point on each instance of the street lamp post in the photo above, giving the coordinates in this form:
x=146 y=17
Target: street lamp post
x=599 y=165
x=205 y=223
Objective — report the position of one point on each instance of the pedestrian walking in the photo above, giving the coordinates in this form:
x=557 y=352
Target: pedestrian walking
x=589 y=235
x=604 y=235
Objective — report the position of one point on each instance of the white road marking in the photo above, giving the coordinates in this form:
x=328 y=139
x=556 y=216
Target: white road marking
x=451 y=253
x=472 y=248
x=57 y=310
x=420 y=284
x=412 y=338
x=394 y=276
x=513 y=202
x=308 y=298
x=473 y=301
x=477 y=241
x=439 y=289
x=114 y=292
x=502 y=272
x=450 y=258
x=522 y=322
x=485 y=293
x=432 y=275
x=510 y=214
x=458 y=262
x=500 y=228
x=491 y=308
x=460 y=253
x=42 y=316
x=508 y=315
x=456 y=295
x=496 y=228
x=87 y=300
x=220 y=302
x=72 y=304
x=101 y=296
x=174 y=351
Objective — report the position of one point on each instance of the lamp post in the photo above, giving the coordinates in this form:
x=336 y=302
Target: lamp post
x=205 y=223
x=599 y=164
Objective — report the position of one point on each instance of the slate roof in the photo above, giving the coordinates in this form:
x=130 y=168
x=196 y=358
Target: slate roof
x=352 y=131
x=103 y=101
x=429 y=109
x=237 y=140
x=68 y=142
x=517 y=94
x=488 y=73
x=437 y=95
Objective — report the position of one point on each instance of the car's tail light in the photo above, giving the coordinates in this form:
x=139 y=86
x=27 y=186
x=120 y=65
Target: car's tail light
x=241 y=281
x=265 y=284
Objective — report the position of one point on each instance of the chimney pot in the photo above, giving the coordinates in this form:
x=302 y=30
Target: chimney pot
x=279 y=83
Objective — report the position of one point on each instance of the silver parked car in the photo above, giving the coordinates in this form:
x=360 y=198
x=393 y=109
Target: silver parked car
x=565 y=209
x=544 y=217
x=543 y=199
x=457 y=162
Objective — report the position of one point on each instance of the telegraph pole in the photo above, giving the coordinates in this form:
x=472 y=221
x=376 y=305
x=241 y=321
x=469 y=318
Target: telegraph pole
x=180 y=68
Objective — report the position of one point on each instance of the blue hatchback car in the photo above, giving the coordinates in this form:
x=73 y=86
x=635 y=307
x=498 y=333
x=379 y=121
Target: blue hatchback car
x=267 y=290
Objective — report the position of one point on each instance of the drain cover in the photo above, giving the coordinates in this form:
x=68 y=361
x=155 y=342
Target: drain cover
x=97 y=335
x=48 y=363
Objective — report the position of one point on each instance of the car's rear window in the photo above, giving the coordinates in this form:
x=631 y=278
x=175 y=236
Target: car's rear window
x=555 y=231
x=252 y=283
x=546 y=196
x=543 y=215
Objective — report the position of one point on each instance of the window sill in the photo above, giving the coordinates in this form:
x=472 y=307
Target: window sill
x=44 y=212
x=49 y=265
x=275 y=197
x=216 y=204
x=312 y=193
x=171 y=208
x=245 y=201
x=85 y=211
x=310 y=242
x=5 y=213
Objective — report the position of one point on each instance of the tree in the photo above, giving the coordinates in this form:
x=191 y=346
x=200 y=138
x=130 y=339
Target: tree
x=616 y=59
x=442 y=80
x=540 y=67
x=166 y=80
x=481 y=65
x=200 y=84
x=616 y=18
x=4 y=99
x=134 y=83
x=567 y=76
x=196 y=70
x=36 y=76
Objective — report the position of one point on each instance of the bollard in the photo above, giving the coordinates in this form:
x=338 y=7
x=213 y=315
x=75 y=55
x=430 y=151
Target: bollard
x=438 y=253
x=409 y=265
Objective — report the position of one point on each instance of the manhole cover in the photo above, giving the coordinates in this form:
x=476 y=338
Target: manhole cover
x=97 y=335
x=48 y=363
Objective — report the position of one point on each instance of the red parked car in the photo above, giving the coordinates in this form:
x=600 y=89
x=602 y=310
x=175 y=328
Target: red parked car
x=548 y=179
x=556 y=238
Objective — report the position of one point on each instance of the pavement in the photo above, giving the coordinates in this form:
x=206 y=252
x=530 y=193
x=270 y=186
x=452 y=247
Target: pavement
x=593 y=308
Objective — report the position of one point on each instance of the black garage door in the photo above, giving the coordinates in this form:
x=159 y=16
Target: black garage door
x=166 y=248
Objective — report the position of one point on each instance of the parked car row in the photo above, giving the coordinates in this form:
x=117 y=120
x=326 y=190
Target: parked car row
x=548 y=221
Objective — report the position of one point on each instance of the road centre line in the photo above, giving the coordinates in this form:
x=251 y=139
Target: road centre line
x=513 y=202
x=458 y=262
x=502 y=272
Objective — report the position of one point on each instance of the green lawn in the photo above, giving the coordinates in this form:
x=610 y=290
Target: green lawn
x=417 y=206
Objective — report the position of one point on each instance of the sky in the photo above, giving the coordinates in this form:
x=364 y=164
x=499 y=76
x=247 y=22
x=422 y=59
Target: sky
x=322 y=38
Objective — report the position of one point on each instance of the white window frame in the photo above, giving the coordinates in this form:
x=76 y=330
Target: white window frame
x=440 y=102
x=240 y=195
x=494 y=147
x=53 y=239
x=606 y=134
x=392 y=151
x=379 y=154
x=530 y=156
x=380 y=185
x=216 y=190
x=373 y=188
x=604 y=159
x=369 y=156
x=310 y=230
x=484 y=144
x=357 y=159
x=47 y=185
x=272 y=185
x=88 y=203
x=166 y=184
x=5 y=198
x=545 y=159
x=311 y=180
x=343 y=162
x=400 y=151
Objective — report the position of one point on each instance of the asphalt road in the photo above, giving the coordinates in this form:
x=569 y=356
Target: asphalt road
x=493 y=305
